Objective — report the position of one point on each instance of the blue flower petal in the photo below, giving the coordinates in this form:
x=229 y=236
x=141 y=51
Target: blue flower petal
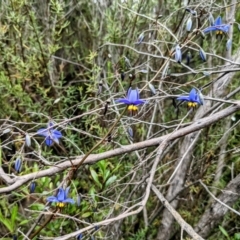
x=68 y=200
x=133 y=96
x=193 y=95
x=209 y=29
x=43 y=132
x=184 y=98
x=218 y=21
x=52 y=199
x=138 y=102
x=56 y=134
x=129 y=92
x=61 y=195
x=66 y=192
x=123 y=100
x=50 y=124
x=48 y=141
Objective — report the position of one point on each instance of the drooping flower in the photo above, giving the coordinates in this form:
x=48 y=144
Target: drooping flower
x=62 y=198
x=178 y=54
x=192 y=99
x=211 y=19
x=140 y=38
x=127 y=62
x=152 y=89
x=132 y=100
x=79 y=236
x=28 y=140
x=32 y=187
x=228 y=44
x=189 y=24
x=201 y=98
x=51 y=135
x=188 y=57
x=202 y=55
x=18 y=164
x=218 y=27
x=130 y=132
x=78 y=200
x=122 y=75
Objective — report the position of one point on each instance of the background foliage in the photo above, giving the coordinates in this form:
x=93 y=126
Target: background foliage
x=64 y=61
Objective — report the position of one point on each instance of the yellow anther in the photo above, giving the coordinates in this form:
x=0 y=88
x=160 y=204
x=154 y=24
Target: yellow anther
x=60 y=204
x=132 y=108
x=192 y=104
x=135 y=108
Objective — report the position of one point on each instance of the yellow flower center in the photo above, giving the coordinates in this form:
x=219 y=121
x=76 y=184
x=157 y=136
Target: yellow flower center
x=132 y=108
x=60 y=204
x=219 y=32
x=192 y=104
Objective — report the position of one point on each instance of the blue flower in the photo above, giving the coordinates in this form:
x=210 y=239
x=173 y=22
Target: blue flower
x=192 y=99
x=51 y=135
x=218 y=26
x=132 y=99
x=61 y=198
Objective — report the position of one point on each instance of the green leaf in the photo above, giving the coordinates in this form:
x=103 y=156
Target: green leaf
x=106 y=175
x=95 y=177
x=86 y=214
x=224 y=232
x=111 y=180
x=6 y=222
x=14 y=212
x=25 y=221
x=102 y=165
x=237 y=236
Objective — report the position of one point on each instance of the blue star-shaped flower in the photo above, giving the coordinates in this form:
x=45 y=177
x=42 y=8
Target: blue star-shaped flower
x=193 y=98
x=218 y=26
x=132 y=99
x=51 y=135
x=62 y=198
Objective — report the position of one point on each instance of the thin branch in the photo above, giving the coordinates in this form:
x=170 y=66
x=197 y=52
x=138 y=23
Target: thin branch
x=176 y=215
x=195 y=126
